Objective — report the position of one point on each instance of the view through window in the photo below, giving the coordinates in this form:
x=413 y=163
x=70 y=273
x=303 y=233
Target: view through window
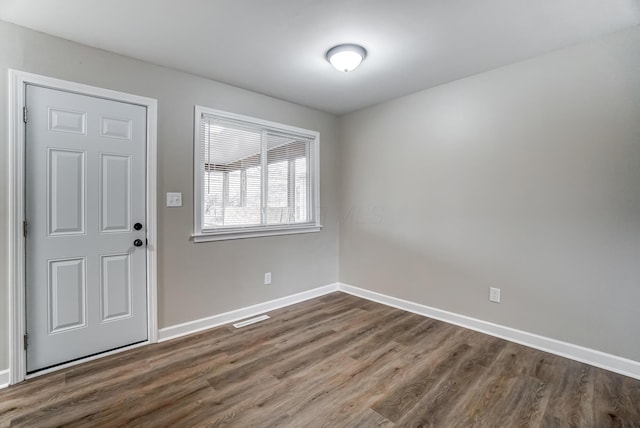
x=255 y=176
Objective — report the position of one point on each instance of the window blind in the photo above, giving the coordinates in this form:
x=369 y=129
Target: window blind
x=254 y=176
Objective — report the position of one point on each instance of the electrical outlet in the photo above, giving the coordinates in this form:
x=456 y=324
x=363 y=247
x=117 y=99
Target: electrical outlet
x=494 y=295
x=267 y=278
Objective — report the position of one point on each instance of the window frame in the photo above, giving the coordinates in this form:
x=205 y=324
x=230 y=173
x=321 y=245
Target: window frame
x=204 y=235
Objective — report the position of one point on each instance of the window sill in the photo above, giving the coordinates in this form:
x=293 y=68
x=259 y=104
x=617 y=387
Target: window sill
x=241 y=234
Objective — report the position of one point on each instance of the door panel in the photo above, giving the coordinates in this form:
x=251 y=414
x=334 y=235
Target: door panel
x=115 y=284
x=61 y=120
x=65 y=191
x=67 y=294
x=85 y=188
x=115 y=128
x=115 y=193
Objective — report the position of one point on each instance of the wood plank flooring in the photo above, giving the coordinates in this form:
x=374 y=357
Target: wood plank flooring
x=335 y=361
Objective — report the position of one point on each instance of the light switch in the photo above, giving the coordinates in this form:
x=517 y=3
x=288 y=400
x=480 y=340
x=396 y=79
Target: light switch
x=174 y=199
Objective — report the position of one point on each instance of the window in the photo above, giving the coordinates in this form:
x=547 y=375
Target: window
x=253 y=177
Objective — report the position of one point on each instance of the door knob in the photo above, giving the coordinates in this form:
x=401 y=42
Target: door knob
x=138 y=242
x=137 y=226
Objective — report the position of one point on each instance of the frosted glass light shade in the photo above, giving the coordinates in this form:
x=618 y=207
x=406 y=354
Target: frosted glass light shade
x=346 y=57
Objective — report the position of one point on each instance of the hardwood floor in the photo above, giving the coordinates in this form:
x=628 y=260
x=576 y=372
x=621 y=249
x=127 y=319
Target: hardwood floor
x=335 y=361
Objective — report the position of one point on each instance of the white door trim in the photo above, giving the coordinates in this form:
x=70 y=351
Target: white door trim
x=16 y=203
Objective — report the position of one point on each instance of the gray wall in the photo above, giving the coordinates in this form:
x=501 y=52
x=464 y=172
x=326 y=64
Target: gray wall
x=525 y=178
x=195 y=280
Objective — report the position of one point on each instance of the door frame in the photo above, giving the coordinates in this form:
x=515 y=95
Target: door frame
x=16 y=203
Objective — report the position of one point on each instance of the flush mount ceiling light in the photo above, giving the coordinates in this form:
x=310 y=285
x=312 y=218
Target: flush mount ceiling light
x=346 y=57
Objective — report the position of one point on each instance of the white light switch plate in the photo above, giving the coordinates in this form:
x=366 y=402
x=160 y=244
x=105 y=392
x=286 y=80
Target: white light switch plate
x=174 y=199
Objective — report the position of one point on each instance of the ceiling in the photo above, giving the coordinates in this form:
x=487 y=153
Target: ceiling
x=277 y=47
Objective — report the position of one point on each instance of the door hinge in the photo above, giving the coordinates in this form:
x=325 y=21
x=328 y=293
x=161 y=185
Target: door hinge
x=26 y=341
x=24 y=228
x=24 y=114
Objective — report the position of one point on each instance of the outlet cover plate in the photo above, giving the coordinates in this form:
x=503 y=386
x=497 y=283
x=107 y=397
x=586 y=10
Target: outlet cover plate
x=494 y=294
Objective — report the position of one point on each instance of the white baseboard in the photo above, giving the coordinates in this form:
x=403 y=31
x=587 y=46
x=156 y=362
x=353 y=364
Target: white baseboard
x=4 y=378
x=195 y=326
x=589 y=356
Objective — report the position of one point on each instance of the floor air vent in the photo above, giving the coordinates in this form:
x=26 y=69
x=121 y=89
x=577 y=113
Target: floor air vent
x=251 y=321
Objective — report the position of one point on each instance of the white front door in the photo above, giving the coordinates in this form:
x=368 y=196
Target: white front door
x=86 y=287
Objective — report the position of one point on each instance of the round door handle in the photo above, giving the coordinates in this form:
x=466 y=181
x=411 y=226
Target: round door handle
x=138 y=242
x=137 y=226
